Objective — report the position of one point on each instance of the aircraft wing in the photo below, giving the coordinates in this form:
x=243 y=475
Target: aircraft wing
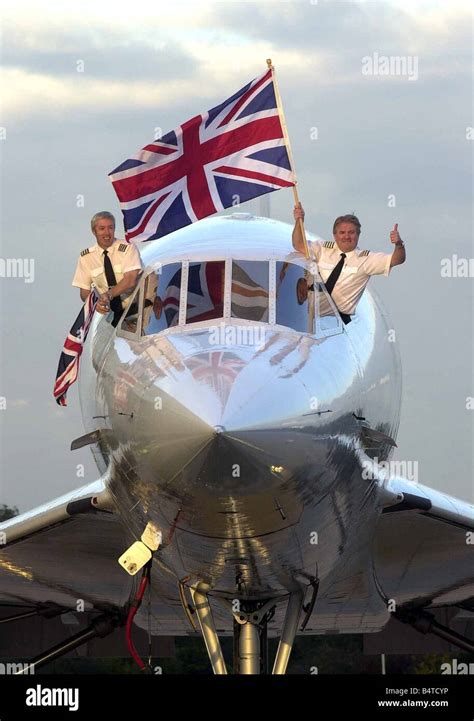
x=65 y=552
x=424 y=549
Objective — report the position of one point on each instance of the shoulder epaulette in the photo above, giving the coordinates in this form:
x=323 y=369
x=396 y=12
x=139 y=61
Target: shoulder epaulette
x=363 y=252
x=328 y=244
x=85 y=252
x=123 y=247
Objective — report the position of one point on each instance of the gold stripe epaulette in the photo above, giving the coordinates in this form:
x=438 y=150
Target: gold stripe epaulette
x=363 y=252
x=85 y=252
x=123 y=247
x=328 y=244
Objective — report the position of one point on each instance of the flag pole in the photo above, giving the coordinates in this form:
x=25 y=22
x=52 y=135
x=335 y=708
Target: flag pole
x=286 y=138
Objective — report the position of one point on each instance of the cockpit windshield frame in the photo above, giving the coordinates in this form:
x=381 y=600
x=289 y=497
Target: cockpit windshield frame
x=309 y=268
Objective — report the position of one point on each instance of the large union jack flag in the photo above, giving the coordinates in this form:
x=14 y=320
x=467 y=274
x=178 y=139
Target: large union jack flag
x=232 y=153
x=68 y=366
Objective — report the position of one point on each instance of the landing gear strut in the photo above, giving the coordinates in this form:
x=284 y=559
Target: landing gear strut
x=426 y=623
x=101 y=626
x=250 y=633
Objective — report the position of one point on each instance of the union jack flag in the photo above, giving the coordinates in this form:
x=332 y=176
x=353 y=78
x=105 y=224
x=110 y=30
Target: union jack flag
x=68 y=366
x=237 y=150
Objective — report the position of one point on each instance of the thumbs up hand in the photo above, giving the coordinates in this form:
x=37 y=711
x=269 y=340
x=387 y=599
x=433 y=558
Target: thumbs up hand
x=395 y=235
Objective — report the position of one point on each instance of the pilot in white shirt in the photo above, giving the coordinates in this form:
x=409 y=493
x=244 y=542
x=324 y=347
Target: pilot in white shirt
x=124 y=266
x=344 y=268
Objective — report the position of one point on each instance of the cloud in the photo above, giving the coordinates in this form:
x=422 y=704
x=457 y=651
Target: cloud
x=26 y=93
x=114 y=57
x=148 y=63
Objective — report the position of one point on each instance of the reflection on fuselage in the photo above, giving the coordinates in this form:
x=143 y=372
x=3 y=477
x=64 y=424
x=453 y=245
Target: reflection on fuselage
x=183 y=414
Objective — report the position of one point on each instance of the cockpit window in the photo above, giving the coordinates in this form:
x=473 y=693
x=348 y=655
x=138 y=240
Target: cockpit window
x=161 y=301
x=294 y=302
x=249 y=295
x=235 y=288
x=205 y=297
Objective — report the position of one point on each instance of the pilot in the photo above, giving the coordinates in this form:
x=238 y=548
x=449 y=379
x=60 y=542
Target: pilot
x=111 y=266
x=344 y=268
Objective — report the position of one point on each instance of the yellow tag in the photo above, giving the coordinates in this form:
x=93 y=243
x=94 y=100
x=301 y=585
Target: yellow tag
x=135 y=557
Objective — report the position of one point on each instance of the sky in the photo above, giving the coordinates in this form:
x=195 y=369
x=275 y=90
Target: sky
x=378 y=99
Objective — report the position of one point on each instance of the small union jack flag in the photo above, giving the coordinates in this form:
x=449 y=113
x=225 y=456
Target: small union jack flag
x=231 y=154
x=68 y=366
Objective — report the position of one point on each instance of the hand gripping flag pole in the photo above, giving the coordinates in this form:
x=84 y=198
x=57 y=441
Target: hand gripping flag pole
x=288 y=149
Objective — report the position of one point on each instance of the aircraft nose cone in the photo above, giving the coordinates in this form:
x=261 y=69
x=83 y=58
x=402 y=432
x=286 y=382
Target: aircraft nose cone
x=186 y=408
x=227 y=442
x=220 y=415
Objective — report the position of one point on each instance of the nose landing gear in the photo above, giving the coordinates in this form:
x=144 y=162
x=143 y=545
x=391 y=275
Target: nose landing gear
x=250 y=632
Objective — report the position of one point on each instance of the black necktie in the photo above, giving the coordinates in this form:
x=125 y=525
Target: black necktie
x=335 y=273
x=331 y=282
x=115 y=303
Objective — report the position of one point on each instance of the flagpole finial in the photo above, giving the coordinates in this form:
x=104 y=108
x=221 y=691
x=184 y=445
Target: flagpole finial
x=269 y=63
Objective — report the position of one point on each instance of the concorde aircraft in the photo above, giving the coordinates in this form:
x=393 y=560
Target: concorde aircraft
x=241 y=432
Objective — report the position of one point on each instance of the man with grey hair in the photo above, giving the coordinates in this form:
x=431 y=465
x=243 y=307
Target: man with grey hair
x=111 y=266
x=344 y=269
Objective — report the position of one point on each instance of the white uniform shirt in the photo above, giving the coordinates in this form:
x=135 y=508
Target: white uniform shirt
x=90 y=266
x=359 y=265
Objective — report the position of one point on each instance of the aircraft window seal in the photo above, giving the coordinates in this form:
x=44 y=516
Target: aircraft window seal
x=272 y=292
x=184 y=292
x=227 y=288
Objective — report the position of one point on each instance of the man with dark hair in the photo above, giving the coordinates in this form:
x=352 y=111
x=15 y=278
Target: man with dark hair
x=111 y=266
x=344 y=269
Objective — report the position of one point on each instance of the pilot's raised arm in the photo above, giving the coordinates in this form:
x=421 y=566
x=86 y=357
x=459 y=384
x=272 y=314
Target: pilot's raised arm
x=314 y=247
x=344 y=268
x=297 y=237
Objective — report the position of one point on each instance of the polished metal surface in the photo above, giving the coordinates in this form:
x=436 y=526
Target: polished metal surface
x=290 y=627
x=250 y=458
x=247 y=457
x=204 y=613
x=244 y=454
x=249 y=649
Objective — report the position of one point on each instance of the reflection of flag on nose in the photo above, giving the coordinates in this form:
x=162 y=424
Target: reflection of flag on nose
x=249 y=300
x=217 y=369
